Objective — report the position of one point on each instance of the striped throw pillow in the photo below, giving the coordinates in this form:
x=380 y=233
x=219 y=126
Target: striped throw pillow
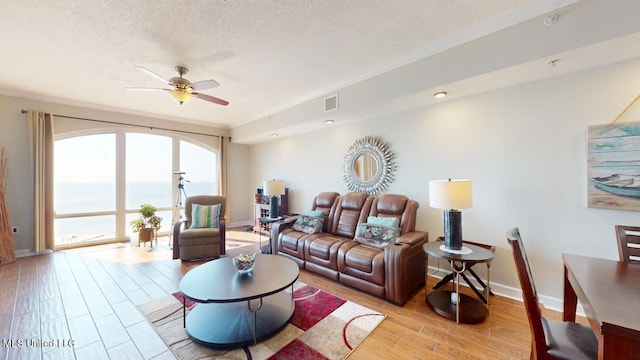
x=205 y=216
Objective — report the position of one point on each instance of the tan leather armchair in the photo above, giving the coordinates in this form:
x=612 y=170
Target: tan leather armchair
x=202 y=243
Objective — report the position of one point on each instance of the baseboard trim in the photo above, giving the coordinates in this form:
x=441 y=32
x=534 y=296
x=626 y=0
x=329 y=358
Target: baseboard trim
x=240 y=223
x=27 y=252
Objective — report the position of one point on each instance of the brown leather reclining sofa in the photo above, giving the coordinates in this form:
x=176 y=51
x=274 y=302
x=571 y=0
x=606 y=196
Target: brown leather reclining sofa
x=392 y=272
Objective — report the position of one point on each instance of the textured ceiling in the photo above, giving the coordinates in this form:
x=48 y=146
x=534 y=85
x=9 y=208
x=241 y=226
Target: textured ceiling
x=266 y=54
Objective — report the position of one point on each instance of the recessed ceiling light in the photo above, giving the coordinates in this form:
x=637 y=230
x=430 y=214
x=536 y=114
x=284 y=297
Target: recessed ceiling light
x=329 y=121
x=440 y=94
x=274 y=134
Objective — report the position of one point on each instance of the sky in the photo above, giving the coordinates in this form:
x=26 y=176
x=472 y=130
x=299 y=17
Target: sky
x=92 y=158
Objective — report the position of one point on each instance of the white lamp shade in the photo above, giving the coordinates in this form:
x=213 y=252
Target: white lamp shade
x=450 y=194
x=273 y=187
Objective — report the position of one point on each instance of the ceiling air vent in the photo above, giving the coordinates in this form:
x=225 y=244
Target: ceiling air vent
x=331 y=103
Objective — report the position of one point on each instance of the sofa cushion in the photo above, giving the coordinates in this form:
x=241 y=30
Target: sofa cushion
x=205 y=216
x=308 y=224
x=375 y=235
x=315 y=213
x=383 y=221
x=362 y=266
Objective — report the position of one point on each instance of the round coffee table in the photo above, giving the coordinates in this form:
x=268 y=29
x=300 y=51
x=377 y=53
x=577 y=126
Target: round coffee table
x=239 y=309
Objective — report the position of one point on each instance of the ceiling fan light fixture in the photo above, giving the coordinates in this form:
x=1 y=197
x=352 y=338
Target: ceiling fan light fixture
x=181 y=89
x=181 y=96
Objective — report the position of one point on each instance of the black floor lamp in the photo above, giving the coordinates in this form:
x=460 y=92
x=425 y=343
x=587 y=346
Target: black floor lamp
x=450 y=196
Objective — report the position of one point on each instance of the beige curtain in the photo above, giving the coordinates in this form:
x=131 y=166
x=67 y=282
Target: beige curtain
x=222 y=166
x=222 y=171
x=41 y=153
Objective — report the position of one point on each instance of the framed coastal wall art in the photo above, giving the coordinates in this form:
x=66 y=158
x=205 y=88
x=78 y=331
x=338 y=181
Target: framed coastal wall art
x=613 y=161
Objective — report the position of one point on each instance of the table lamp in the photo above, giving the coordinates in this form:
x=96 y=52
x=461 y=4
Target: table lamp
x=450 y=196
x=273 y=189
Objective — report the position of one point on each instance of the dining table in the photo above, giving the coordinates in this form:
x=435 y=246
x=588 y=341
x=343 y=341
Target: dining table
x=609 y=292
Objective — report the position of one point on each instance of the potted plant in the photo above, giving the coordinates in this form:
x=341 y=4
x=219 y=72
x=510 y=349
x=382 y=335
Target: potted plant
x=148 y=224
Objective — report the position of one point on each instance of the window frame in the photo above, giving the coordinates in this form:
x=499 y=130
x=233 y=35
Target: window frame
x=121 y=211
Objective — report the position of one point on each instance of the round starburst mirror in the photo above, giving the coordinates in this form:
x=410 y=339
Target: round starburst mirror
x=369 y=166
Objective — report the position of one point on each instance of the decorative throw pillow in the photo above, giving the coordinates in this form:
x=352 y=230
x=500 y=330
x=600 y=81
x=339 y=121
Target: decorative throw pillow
x=308 y=224
x=375 y=235
x=383 y=221
x=205 y=216
x=315 y=213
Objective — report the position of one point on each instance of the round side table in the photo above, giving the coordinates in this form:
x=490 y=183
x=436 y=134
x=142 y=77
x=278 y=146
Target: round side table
x=466 y=309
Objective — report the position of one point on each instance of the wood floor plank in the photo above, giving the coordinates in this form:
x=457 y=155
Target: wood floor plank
x=52 y=309
x=83 y=331
x=111 y=331
x=56 y=331
x=30 y=303
x=128 y=313
x=89 y=295
x=113 y=294
x=93 y=351
x=146 y=340
x=74 y=306
x=99 y=306
x=126 y=351
x=61 y=353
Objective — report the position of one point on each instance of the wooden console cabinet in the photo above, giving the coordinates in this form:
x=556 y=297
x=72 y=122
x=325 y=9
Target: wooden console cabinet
x=262 y=210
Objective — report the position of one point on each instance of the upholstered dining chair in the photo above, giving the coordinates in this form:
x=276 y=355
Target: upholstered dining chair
x=202 y=234
x=628 y=243
x=549 y=339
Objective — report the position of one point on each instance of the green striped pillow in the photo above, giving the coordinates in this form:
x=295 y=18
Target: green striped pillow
x=205 y=216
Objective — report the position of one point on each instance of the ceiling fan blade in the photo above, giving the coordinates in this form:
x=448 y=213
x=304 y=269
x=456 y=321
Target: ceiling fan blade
x=144 y=89
x=145 y=70
x=204 y=84
x=211 y=99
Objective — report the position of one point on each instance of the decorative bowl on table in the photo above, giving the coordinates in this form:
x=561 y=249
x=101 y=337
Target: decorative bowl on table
x=244 y=263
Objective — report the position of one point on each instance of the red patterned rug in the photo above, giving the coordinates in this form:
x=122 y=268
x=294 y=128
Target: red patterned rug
x=323 y=326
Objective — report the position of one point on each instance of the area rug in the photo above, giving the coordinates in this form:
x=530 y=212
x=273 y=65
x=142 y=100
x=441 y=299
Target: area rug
x=323 y=326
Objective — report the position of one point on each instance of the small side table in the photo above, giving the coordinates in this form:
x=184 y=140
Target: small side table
x=467 y=309
x=266 y=249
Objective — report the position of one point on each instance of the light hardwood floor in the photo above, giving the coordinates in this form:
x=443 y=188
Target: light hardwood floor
x=84 y=302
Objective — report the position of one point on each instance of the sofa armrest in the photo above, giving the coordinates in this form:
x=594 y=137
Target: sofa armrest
x=405 y=263
x=412 y=238
x=277 y=228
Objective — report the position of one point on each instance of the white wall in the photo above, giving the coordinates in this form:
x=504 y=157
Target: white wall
x=523 y=147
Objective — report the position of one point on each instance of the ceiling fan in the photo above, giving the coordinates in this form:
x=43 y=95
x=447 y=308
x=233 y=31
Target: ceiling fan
x=182 y=90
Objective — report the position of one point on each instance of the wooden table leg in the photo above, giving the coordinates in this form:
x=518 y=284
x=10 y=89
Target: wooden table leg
x=570 y=299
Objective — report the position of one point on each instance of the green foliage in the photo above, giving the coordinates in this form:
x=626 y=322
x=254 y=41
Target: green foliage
x=147 y=220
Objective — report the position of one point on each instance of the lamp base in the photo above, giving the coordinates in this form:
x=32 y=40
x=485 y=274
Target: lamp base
x=453 y=229
x=273 y=207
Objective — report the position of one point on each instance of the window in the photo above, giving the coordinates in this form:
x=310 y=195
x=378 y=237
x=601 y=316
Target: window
x=85 y=188
x=199 y=166
x=96 y=195
x=148 y=174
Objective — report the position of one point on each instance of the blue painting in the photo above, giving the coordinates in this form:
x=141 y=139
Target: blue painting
x=614 y=166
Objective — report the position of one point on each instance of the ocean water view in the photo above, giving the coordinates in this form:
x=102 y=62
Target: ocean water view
x=94 y=197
